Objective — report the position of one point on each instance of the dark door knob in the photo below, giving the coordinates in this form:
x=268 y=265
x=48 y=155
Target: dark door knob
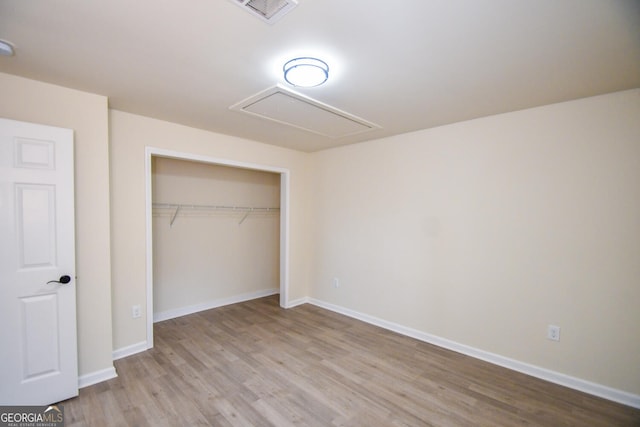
x=63 y=280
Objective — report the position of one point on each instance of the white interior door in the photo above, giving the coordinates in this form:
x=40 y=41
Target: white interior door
x=38 y=348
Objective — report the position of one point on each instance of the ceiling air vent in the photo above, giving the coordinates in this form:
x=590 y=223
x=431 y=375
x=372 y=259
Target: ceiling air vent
x=284 y=106
x=268 y=10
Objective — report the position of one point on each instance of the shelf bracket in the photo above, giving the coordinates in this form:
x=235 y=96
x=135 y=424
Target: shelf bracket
x=173 y=218
x=244 y=217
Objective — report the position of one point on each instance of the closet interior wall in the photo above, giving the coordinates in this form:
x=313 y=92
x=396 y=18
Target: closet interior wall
x=212 y=248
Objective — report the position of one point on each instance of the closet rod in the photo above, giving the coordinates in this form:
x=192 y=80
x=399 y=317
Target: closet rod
x=181 y=206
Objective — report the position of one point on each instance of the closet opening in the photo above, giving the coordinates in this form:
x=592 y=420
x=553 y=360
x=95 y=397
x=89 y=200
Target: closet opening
x=217 y=233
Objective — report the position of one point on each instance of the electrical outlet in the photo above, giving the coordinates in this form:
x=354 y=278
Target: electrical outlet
x=136 y=311
x=336 y=282
x=553 y=332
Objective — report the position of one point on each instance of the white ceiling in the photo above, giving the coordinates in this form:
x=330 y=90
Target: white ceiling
x=403 y=65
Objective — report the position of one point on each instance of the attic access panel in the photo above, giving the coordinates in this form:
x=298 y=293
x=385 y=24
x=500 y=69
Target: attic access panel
x=284 y=106
x=268 y=10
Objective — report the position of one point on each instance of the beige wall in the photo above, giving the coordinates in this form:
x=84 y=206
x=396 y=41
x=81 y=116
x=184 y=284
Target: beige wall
x=130 y=134
x=210 y=255
x=485 y=232
x=85 y=113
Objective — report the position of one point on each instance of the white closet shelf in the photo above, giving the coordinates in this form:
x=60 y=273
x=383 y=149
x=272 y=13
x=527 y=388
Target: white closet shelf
x=182 y=207
x=213 y=207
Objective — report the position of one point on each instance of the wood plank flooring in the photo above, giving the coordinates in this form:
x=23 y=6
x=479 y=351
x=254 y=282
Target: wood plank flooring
x=255 y=364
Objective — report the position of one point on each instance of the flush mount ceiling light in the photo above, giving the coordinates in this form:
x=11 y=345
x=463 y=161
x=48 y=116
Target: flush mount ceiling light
x=306 y=72
x=5 y=48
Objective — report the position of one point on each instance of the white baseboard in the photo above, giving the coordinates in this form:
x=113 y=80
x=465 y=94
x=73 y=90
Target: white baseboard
x=297 y=302
x=595 y=389
x=97 y=377
x=129 y=350
x=183 y=311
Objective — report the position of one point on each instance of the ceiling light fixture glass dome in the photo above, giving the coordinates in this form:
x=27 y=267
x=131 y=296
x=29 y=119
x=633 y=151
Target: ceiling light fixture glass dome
x=306 y=72
x=6 y=49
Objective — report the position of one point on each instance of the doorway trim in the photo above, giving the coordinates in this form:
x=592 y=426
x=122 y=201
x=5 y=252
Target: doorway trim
x=150 y=152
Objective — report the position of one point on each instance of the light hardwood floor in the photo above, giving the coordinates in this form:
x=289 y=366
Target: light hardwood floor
x=257 y=364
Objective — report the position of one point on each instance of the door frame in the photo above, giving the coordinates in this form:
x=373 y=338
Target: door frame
x=284 y=173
